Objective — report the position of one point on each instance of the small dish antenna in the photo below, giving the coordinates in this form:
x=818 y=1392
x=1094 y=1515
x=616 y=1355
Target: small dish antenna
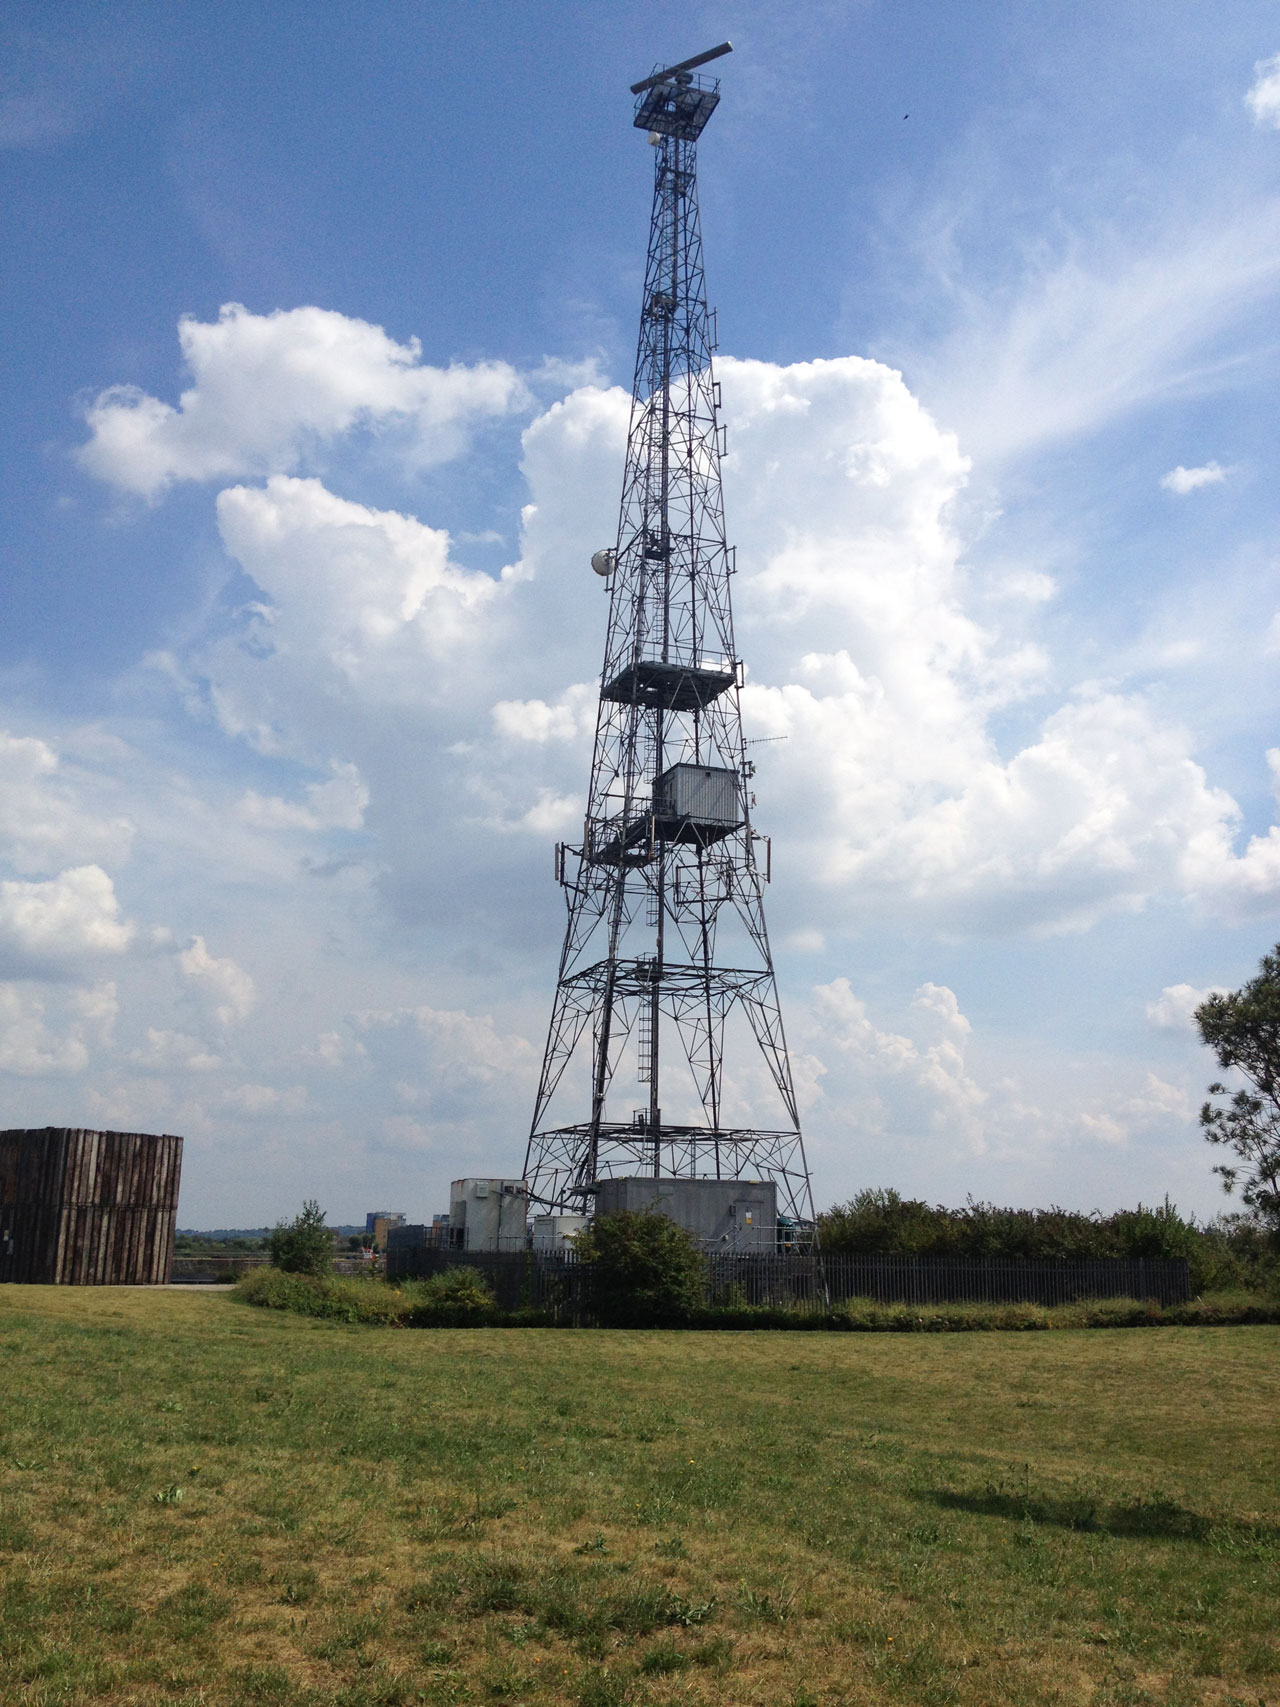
x=603 y=562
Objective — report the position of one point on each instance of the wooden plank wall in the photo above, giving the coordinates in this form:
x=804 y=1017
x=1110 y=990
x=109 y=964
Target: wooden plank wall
x=82 y=1208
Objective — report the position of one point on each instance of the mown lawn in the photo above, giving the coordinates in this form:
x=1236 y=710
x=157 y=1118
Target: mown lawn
x=200 y=1502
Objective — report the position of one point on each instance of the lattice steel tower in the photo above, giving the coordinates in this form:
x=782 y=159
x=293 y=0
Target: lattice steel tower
x=666 y=941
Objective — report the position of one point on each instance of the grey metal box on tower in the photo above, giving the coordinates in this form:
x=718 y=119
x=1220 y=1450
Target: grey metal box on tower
x=705 y=796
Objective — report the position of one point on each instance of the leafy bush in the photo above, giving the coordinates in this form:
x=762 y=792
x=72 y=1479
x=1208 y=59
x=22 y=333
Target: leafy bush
x=458 y=1297
x=341 y=1298
x=303 y=1245
x=646 y=1271
x=1231 y=1252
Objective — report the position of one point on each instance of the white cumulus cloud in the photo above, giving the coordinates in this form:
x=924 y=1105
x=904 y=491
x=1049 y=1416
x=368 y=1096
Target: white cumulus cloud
x=1183 y=480
x=42 y=823
x=29 y=1046
x=270 y=389
x=1263 y=97
x=1175 y=1007
x=366 y=600
x=230 y=986
x=254 y=1101
x=570 y=717
x=926 y=1073
x=172 y=1052
x=50 y=928
x=338 y=804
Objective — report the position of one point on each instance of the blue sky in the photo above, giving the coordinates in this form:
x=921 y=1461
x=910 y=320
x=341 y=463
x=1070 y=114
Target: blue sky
x=319 y=326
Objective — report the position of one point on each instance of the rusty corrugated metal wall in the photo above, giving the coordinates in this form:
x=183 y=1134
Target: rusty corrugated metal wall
x=81 y=1208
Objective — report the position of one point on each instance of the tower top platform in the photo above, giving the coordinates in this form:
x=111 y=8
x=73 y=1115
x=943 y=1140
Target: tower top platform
x=679 y=105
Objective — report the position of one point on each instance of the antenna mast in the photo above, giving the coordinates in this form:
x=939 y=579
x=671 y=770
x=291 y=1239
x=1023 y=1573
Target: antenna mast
x=666 y=948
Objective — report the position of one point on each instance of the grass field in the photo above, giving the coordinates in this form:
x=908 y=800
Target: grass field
x=200 y=1502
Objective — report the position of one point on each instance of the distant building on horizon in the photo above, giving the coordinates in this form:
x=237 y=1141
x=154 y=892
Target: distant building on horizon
x=379 y=1222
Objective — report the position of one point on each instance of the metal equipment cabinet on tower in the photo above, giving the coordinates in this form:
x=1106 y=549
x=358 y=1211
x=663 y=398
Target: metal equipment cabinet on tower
x=666 y=949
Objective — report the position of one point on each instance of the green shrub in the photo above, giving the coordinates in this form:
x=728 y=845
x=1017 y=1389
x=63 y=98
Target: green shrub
x=303 y=1245
x=341 y=1298
x=646 y=1272
x=1233 y=1251
x=457 y=1297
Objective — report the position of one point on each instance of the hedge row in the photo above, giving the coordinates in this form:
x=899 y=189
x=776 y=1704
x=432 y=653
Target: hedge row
x=459 y=1298
x=1233 y=1252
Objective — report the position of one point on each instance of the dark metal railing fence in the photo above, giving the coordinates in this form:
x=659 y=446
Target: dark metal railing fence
x=553 y=1283
x=192 y=1270
x=951 y=1280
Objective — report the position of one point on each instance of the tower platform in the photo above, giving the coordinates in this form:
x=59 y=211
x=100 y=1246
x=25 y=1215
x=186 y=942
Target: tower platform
x=667 y=687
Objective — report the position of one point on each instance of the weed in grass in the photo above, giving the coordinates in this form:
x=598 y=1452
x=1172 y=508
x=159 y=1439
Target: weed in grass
x=506 y=1683
x=445 y=1689
x=191 y=1611
x=296 y=1586
x=671 y=1548
x=1259 y=1658
x=15 y=1534
x=242 y=1569
x=653 y=1608
x=1205 y=1657
x=664 y=1658
x=252 y=1684
x=1246 y=1541
x=374 y=1692
x=595 y=1545
x=763 y=1608
x=602 y=1687
x=715 y=1655
x=498 y=1588
x=439 y=1590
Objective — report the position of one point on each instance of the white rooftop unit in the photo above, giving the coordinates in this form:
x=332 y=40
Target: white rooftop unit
x=488 y=1214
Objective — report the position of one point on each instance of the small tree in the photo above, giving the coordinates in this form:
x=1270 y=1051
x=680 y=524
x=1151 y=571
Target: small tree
x=303 y=1245
x=646 y=1271
x=1242 y=1028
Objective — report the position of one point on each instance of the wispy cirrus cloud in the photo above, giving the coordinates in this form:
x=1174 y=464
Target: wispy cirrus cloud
x=1108 y=325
